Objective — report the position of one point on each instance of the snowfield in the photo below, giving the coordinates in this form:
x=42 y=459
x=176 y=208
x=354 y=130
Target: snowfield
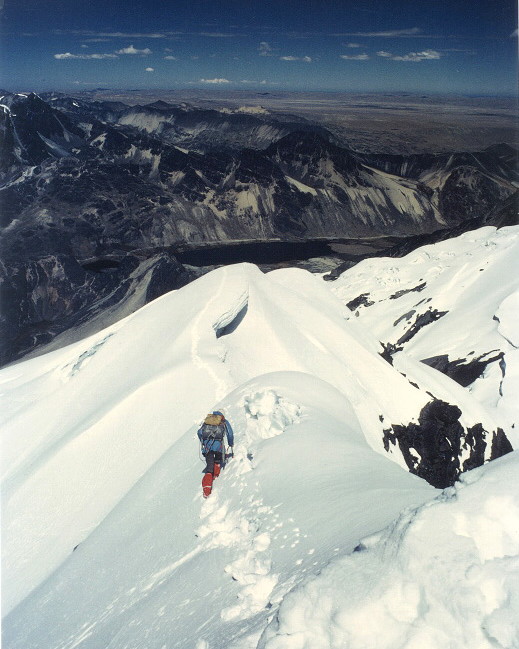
x=316 y=535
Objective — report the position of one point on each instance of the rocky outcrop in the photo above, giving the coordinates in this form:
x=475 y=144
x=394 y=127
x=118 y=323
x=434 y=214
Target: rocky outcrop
x=438 y=448
x=463 y=371
x=34 y=131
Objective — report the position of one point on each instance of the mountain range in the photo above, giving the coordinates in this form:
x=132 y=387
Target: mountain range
x=96 y=198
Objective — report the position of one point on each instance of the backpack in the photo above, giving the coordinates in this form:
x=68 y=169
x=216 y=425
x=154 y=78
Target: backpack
x=213 y=427
x=214 y=420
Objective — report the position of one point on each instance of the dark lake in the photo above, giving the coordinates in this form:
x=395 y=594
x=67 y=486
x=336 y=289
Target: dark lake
x=273 y=252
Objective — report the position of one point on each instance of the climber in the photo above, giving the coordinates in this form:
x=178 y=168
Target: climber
x=211 y=435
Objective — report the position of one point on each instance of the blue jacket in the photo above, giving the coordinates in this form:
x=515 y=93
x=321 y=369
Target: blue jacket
x=216 y=444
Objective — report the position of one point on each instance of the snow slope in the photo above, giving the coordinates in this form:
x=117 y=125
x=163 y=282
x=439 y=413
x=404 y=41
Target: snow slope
x=106 y=539
x=143 y=578
x=469 y=284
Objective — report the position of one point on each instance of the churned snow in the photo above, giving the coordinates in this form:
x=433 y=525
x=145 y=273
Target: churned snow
x=107 y=541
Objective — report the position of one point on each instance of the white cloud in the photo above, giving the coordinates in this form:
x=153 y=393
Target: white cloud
x=93 y=34
x=514 y=34
x=352 y=45
x=215 y=81
x=458 y=49
x=132 y=50
x=263 y=82
x=306 y=59
x=150 y=69
x=169 y=57
x=148 y=35
x=217 y=35
x=395 y=33
x=265 y=49
x=357 y=57
x=68 y=55
x=84 y=46
x=425 y=55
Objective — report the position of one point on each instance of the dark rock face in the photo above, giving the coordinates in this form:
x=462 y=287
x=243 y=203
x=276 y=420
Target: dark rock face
x=166 y=275
x=361 y=300
x=462 y=371
x=505 y=213
x=48 y=288
x=432 y=448
x=416 y=289
x=47 y=296
x=500 y=444
x=422 y=320
x=35 y=131
x=469 y=194
x=388 y=349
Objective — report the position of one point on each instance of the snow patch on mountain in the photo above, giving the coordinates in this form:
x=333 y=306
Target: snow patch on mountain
x=306 y=189
x=148 y=121
x=253 y=110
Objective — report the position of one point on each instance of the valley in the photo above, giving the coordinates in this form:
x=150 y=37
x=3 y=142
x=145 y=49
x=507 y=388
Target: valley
x=108 y=200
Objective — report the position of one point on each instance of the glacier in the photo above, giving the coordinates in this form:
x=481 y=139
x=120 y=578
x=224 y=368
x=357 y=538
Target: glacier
x=316 y=535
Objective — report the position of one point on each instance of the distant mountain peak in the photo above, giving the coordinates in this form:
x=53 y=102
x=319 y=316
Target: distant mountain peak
x=160 y=105
x=502 y=149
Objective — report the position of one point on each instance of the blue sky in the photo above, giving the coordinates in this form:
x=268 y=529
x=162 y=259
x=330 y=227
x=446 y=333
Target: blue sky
x=434 y=46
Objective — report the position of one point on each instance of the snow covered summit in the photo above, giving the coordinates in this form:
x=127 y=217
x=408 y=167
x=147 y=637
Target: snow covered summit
x=107 y=541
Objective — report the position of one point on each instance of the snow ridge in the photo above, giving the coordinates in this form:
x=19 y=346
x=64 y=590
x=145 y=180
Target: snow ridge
x=197 y=336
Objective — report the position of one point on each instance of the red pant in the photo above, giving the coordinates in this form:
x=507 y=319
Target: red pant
x=211 y=471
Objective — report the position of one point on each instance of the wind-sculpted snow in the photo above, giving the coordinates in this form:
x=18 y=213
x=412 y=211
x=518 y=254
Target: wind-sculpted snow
x=107 y=541
x=443 y=575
